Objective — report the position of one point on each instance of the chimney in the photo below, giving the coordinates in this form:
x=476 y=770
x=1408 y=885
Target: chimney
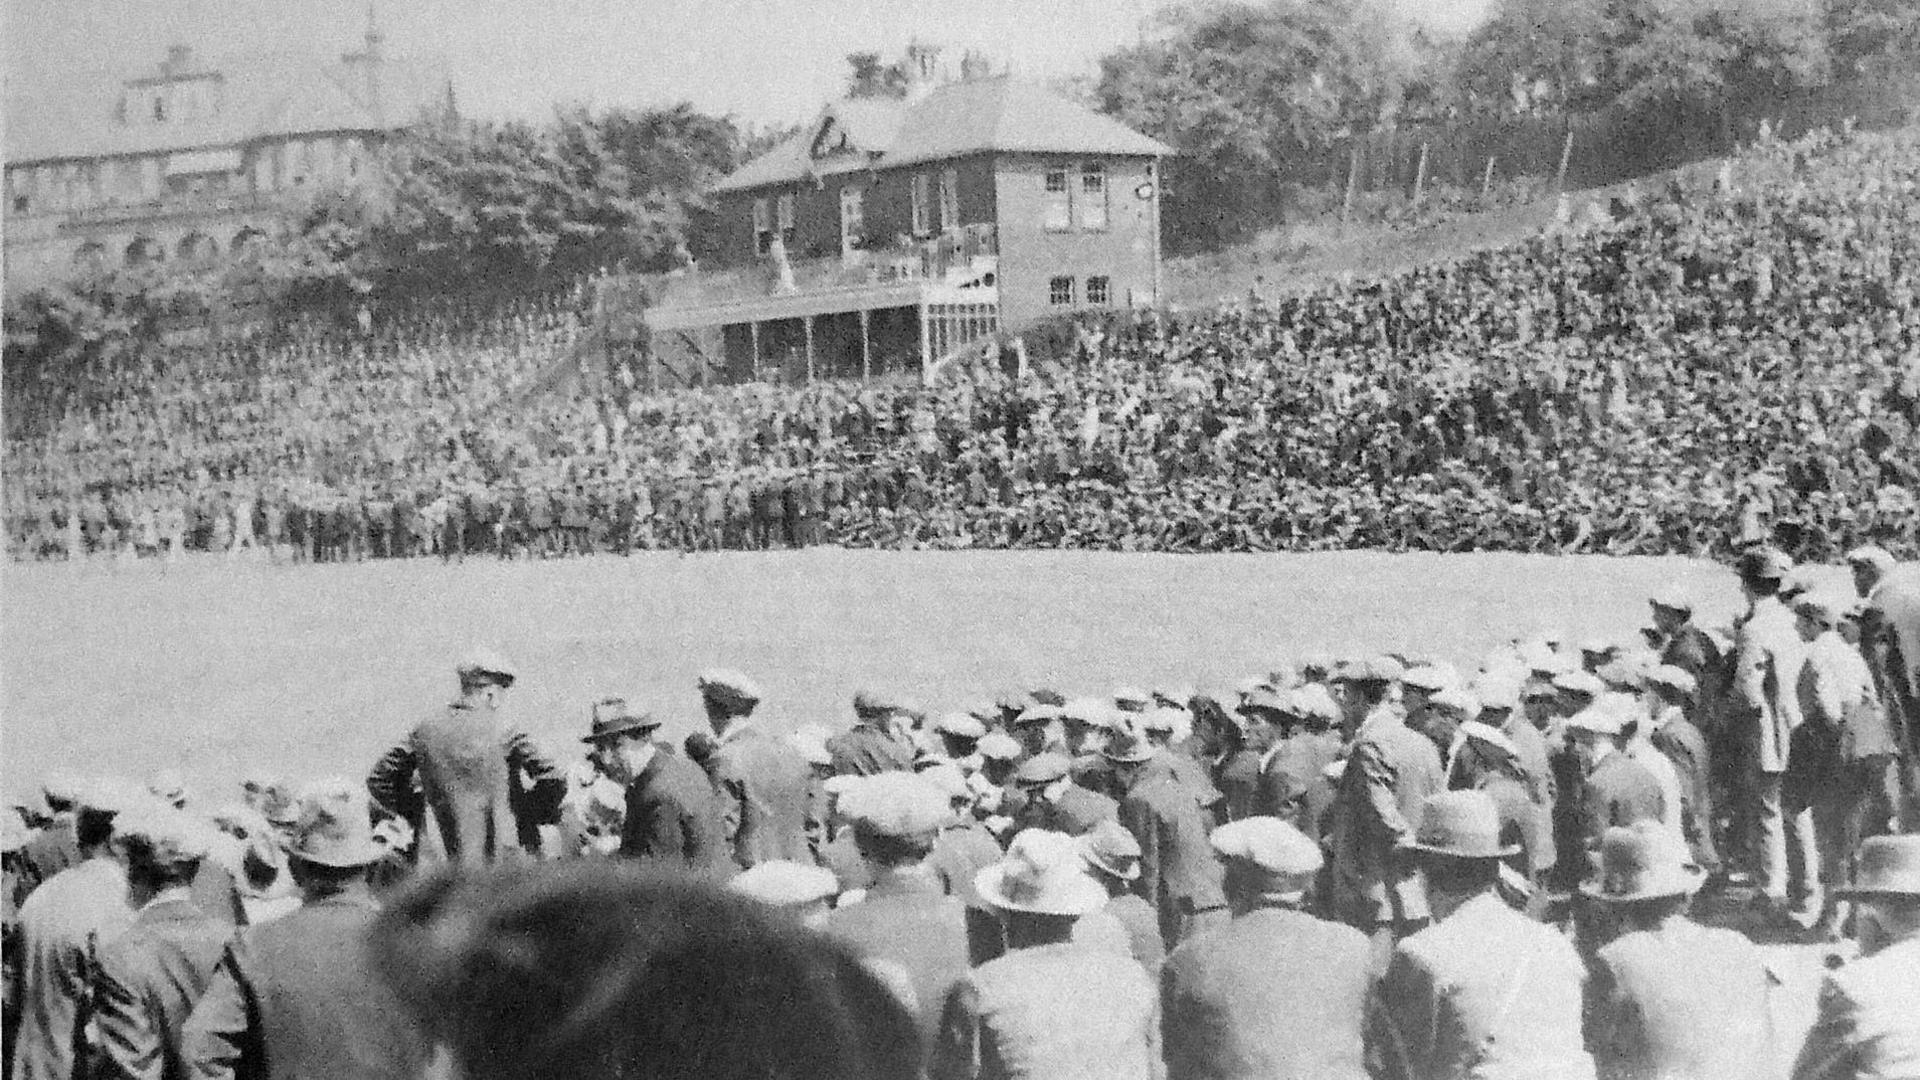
x=922 y=67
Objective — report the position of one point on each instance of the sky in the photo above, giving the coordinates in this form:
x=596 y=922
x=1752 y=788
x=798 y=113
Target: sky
x=762 y=61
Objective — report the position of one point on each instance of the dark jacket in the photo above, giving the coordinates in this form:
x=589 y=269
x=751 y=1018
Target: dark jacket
x=297 y=999
x=763 y=785
x=908 y=924
x=1178 y=872
x=1293 y=783
x=146 y=985
x=1619 y=791
x=1273 y=995
x=479 y=776
x=1076 y=813
x=673 y=817
x=864 y=750
x=1389 y=776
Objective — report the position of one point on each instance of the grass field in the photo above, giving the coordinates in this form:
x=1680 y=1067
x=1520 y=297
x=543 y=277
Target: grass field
x=215 y=668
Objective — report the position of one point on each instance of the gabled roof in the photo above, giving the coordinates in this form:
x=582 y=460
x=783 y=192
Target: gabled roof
x=261 y=97
x=954 y=120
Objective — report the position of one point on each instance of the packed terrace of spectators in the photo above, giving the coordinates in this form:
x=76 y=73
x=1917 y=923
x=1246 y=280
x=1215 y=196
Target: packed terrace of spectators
x=1720 y=351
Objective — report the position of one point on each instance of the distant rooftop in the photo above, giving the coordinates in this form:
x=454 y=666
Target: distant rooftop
x=247 y=98
x=985 y=115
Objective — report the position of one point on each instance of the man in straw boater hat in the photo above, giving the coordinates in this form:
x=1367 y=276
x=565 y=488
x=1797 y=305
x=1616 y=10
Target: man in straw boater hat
x=1671 y=997
x=1485 y=991
x=906 y=919
x=468 y=779
x=1052 y=1006
x=297 y=997
x=765 y=785
x=1178 y=874
x=670 y=817
x=1868 y=1025
x=1223 y=992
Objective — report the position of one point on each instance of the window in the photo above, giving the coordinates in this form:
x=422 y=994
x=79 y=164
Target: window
x=1060 y=290
x=853 y=218
x=762 y=225
x=1099 y=291
x=1093 y=196
x=949 y=200
x=19 y=204
x=159 y=109
x=1059 y=214
x=920 y=206
x=783 y=208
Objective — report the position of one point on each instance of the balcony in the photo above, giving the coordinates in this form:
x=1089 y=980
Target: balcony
x=170 y=206
x=958 y=266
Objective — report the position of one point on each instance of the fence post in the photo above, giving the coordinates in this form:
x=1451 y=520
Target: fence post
x=1353 y=181
x=1420 y=176
x=1486 y=179
x=1566 y=158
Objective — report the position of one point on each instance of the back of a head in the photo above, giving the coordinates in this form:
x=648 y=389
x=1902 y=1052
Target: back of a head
x=592 y=969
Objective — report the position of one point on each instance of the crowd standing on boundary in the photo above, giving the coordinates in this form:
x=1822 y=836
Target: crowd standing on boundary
x=1377 y=866
x=1749 y=348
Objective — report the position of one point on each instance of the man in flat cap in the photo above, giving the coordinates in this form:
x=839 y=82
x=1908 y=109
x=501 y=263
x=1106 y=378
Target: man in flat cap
x=1485 y=991
x=1178 y=874
x=1843 y=746
x=1867 y=1025
x=874 y=744
x=764 y=783
x=1762 y=711
x=1052 y=1006
x=1113 y=857
x=1293 y=783
x=1049 y=799
x=1221 y=993
x=1890 y=641
x=1670 y=997
x=1390 y=773
x=63 y=923
x=297 y=997
x=1614 y=789
x=483 y=787
x=1670 y=696
x=907 y=919
x=672 y=817
x=149 y=979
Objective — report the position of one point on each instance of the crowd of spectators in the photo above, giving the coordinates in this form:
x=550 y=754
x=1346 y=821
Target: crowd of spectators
x=1709 y=358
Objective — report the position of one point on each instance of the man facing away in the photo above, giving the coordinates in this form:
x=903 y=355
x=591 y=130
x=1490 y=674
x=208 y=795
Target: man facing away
x=484 y=787
x=1221 y=993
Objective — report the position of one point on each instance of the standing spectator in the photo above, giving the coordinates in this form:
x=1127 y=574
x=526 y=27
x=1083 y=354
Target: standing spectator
x=1220 y=994
x=1009 y=1020
x=874 y=743
x=63 y=925
x=148 y=980
x=297 y=997
x=1890 y=639
x=1113 y=857
x=1178 y=874
x=1763 y=711
x=1390 y=773
x=1485 y=991
x=1867 y=1025
x=672 y=818
x=1050 y=800
x=763 y=781
x=1614 y=789
x=906 y=920
x=482 y=782
x=1670 y=997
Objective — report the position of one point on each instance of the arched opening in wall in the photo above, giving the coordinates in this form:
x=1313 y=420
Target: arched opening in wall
x=196 y=248
x=144 y=250
x=246 y=241
x=90 y=257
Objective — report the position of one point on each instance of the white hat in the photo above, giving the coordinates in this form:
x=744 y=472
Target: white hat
x=154 y=832
x=897 y=804
x=1491 y=735
x=779 y=883
x=1044 y=873
x=811 y=741
x=1273 y=847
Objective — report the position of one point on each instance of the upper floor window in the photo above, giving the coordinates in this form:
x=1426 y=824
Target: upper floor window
x=1099 y=290
x=1060 y=290
x=762 y=225
x=1093 y=196
x=20 y=203
x=920 y=215
x=783 y=210
x=1059 y=211
x=949 y=199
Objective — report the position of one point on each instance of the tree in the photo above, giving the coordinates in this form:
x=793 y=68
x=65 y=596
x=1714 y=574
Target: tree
x=869 y=77
x=1868 y=38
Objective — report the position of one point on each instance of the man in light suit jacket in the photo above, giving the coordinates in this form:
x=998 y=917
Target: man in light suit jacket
x=764 y=783
x=1867 y=1024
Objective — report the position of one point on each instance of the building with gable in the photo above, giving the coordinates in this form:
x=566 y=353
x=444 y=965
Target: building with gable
x=194 y=160
x=889 y=234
